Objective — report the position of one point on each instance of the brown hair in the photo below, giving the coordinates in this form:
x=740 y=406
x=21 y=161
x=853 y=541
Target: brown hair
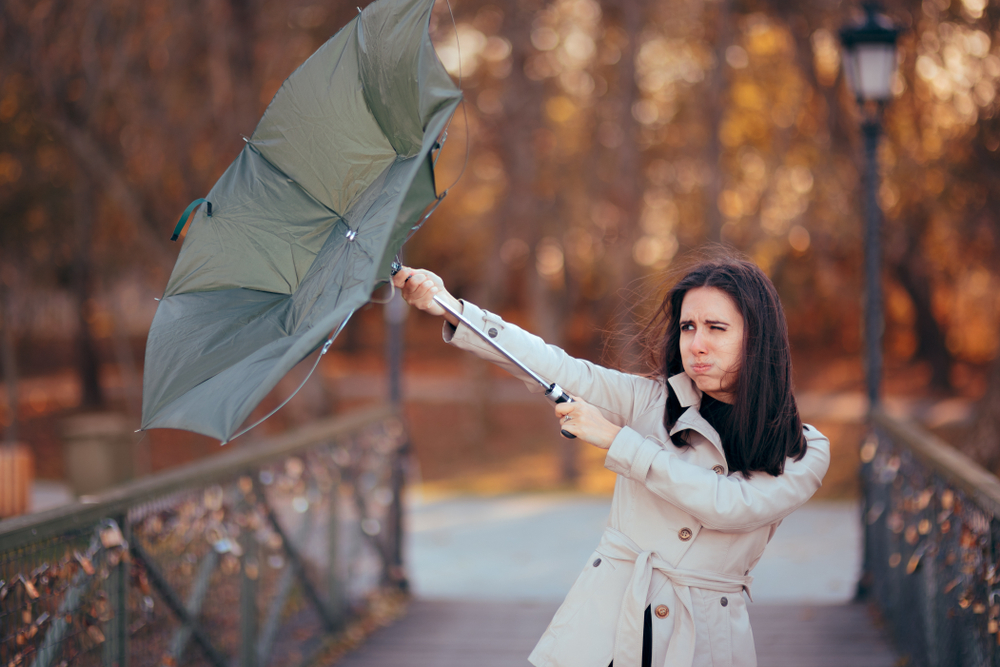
x=764 y=427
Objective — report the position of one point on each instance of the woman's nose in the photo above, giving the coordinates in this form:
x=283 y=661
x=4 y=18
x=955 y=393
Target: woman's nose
x=698 y=343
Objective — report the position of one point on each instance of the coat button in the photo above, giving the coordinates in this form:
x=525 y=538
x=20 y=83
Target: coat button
x=684 y=534
x=597 y=562
x=724 y=601
x=662 y=611
x=718 y=470
x=492 y=333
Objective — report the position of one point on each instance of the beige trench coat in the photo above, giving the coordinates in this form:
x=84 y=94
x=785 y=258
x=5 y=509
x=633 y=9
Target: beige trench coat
x=683 y=534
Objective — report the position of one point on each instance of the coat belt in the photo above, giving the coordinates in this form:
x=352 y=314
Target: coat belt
x=628 y=634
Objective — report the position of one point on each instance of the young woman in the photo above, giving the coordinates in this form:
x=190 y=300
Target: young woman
x=710 y=454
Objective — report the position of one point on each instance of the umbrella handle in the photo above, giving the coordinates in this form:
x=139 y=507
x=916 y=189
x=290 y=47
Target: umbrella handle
x=557 y=395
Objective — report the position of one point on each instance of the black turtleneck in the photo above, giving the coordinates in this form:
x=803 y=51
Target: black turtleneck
x=719 y=415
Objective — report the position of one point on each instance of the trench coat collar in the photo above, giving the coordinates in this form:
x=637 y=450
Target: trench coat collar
x=689 y=396
x=685 y=389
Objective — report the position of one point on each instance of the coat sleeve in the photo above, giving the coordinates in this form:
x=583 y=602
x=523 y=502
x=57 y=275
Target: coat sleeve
x=732 y=503
x=616 y=394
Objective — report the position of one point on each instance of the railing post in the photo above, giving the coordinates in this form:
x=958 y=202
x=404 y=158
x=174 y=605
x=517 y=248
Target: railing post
x=336 y=595
x=249 y=574
x=116 y=649
x=397 y=573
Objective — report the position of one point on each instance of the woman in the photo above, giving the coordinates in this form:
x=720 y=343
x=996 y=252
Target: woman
x=692 y=509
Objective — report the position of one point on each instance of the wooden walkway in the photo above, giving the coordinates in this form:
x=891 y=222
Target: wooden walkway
x=501 y=634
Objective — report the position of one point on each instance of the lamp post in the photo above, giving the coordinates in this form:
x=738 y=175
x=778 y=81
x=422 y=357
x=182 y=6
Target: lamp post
x=869 y=60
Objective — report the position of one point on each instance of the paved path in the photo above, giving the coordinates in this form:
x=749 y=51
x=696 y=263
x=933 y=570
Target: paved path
x=439 y=633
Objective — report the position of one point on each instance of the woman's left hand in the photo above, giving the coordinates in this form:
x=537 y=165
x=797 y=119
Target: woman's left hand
x=586 y=422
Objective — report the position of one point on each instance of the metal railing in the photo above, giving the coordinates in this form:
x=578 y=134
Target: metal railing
x=249 y=557
x=932 y=544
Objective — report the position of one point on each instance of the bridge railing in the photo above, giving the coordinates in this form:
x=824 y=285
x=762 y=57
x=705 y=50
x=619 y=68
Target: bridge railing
x=931 y=520
x=250 y=557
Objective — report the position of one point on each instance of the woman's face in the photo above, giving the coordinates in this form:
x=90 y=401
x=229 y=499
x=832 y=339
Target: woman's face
x=711 y=341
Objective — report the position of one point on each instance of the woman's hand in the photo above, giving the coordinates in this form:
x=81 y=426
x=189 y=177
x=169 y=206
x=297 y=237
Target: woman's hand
x=586 y=422
x=420 y=286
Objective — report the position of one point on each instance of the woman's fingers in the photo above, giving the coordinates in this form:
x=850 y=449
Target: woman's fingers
x=565 y=413
x=401 y=277
x=418 y=288
x=422 y=294
x=586 y=422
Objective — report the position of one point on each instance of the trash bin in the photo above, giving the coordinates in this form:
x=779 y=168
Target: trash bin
x=98 y=449
x=17 y=471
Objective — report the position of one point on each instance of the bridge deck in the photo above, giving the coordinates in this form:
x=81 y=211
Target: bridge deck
x=501 y=634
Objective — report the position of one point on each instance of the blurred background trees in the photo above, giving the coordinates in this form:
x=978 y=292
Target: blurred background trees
x=606 y=139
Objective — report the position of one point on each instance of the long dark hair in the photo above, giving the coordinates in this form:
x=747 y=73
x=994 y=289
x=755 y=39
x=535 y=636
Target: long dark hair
x=763 y=428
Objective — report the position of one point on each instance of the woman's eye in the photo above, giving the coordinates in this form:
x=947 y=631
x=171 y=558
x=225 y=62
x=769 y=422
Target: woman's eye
x=687 y=326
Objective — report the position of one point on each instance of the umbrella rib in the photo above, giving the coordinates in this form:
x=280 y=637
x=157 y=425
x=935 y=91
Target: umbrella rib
x=324 y=350
x=292 y=180
x=416 y=227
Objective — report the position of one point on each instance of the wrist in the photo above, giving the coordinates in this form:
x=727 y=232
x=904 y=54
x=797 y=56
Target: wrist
x=610 y=433
x=456 y=304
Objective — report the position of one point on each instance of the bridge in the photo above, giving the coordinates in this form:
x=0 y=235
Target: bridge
x=488 y=574
x=282 y=552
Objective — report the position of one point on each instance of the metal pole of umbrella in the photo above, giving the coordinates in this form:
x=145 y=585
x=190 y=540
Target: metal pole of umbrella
x=553 y=391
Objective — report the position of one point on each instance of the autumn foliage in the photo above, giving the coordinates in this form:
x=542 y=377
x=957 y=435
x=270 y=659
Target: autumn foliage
x=599 y=143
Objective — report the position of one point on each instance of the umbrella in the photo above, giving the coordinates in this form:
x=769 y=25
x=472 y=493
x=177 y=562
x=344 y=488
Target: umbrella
x=304 y=224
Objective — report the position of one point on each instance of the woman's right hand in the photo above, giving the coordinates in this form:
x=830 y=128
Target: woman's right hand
x=420 y=286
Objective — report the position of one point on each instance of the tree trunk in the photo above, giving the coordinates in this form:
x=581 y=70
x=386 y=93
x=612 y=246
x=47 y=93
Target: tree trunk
x=88 y=363
x=626 y=188
x=8 y=354
x=983 y=444
x=715 y=106
x=909 y=266
x=520 y=215
x=931 y=344
x=94 y=160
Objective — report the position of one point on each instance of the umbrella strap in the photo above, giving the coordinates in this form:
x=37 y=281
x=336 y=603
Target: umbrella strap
x=323 y=350
x=187 y=214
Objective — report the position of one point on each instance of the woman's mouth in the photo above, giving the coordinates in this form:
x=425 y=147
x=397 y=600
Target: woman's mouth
x=701 y=368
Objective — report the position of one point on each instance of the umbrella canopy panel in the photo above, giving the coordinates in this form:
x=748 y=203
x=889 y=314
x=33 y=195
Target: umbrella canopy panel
x=304 y=223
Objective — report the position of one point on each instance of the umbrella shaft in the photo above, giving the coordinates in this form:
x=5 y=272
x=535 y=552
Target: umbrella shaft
x=553 y=392
x=497 y=346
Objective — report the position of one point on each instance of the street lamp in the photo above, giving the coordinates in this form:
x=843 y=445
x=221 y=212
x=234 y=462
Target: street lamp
x=869 y=60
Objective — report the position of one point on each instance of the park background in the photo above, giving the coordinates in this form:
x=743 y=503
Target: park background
x=599 y=146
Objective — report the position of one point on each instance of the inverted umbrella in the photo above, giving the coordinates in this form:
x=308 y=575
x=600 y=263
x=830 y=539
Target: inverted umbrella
x=304 y=224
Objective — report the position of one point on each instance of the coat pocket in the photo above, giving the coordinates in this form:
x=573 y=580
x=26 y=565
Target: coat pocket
x=719 y=611
x=597 y=570
x=583 y=628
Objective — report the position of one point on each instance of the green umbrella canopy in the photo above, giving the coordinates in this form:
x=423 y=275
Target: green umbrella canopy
x=304 y=224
